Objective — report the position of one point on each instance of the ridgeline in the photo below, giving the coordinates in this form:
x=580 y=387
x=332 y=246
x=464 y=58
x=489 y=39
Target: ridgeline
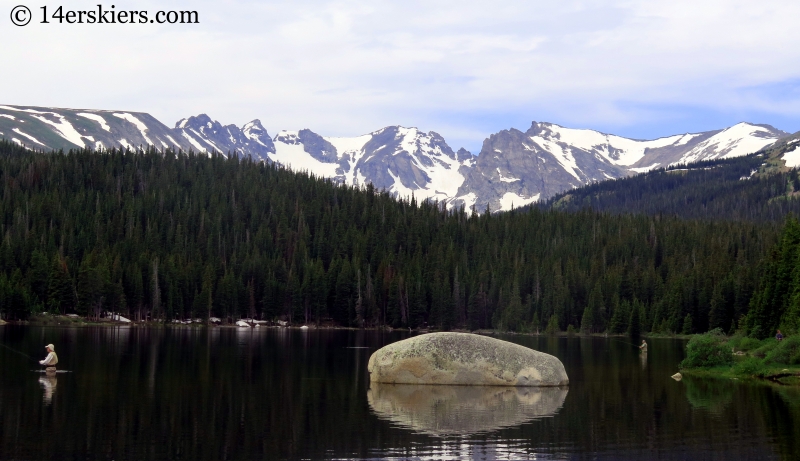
x=755 y=188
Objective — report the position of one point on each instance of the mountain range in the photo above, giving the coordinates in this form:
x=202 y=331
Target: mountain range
x=513 y=168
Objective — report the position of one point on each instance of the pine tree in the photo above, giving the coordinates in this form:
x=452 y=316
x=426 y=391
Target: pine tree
x=687 y=325
x=635 y=323
x=61 y=296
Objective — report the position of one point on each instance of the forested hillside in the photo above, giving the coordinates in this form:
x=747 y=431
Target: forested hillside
x=754 y=188
x=776 y=301
x=181 y=235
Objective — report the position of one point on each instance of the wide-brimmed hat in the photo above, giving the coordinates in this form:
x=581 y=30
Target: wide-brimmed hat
x=51 y=347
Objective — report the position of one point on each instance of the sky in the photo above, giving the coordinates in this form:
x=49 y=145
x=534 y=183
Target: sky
x=465 y=69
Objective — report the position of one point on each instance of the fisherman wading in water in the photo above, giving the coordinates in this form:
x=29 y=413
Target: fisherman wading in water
x=643 y=347
x=51 y=360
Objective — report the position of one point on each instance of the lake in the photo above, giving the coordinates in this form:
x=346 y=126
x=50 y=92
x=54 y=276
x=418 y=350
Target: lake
x=222 y=393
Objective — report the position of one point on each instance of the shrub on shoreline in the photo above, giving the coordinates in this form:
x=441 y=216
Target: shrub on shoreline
x=785 y=352
x=707 y=350
x=751 y=366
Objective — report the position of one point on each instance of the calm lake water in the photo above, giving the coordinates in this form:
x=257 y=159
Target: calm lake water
x=136 y=393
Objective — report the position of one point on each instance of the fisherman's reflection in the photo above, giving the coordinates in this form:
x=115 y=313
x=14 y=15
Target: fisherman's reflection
x=48 y=382
x=643 y=359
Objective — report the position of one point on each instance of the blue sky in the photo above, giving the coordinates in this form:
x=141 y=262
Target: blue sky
x=465 y=69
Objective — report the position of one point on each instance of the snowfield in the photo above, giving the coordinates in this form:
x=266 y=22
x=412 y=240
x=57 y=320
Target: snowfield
x=511 y=200
x=295 y=157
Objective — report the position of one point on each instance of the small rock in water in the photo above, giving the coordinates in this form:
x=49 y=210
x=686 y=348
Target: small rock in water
x=464 y=359
x=677 y=376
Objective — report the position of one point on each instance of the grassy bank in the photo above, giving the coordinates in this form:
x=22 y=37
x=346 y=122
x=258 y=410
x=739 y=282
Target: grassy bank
x=741 y=357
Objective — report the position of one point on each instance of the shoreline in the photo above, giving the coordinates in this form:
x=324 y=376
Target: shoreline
x=740 y=357
x=779 y=375
x=64 y=320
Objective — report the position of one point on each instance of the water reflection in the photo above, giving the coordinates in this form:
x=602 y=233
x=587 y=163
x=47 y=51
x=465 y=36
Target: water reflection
x=462 y=410
x=48 y=382
x=221 y=393
x=710 y=394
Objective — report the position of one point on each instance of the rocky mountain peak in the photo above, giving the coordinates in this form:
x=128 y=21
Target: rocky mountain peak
x=514 y=168
x=257 y=138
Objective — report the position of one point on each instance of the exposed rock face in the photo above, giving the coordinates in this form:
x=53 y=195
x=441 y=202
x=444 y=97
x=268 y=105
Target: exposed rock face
x=462 y=410
x=204 y=134
x=464 y=359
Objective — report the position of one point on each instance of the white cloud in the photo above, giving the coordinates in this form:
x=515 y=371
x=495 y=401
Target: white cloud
x=346 y=68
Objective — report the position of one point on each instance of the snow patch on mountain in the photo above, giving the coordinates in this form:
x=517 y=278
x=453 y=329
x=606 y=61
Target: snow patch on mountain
x=506 y=178
x=685 y=139
x=17 y=109
x=562 y=155
x=441 y=168
x=62 y=126
x=137 y=123
x=193 y=142
x=400 y=189
x=96 y=118
x=350 y=151
x=353 y=146
x=255 y=132
x=174 y=143
x=18 y=131
x=792 y=158
x=740 y=139
x=615 y=149
x=511 y=200
x=643 y=169
x=289 y=151
x=468 y=200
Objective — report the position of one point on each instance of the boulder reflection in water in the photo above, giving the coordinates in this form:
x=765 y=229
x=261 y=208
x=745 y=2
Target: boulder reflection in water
x=462 y=410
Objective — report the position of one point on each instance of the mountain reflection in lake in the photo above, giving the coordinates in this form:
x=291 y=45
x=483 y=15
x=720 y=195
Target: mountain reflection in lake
x=192 y=393
x=462 y=410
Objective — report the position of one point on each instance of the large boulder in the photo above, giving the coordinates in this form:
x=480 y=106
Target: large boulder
x=462 y=410
x=464 y=359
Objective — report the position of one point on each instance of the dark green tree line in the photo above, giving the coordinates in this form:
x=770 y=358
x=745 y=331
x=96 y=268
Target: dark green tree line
x=724 y=189
x=180 y=235
x=776 y=301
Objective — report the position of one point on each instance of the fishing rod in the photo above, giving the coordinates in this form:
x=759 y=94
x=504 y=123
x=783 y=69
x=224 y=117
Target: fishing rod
x=18 y=352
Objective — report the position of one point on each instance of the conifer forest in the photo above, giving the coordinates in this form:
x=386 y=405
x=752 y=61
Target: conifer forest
x=171 y=235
